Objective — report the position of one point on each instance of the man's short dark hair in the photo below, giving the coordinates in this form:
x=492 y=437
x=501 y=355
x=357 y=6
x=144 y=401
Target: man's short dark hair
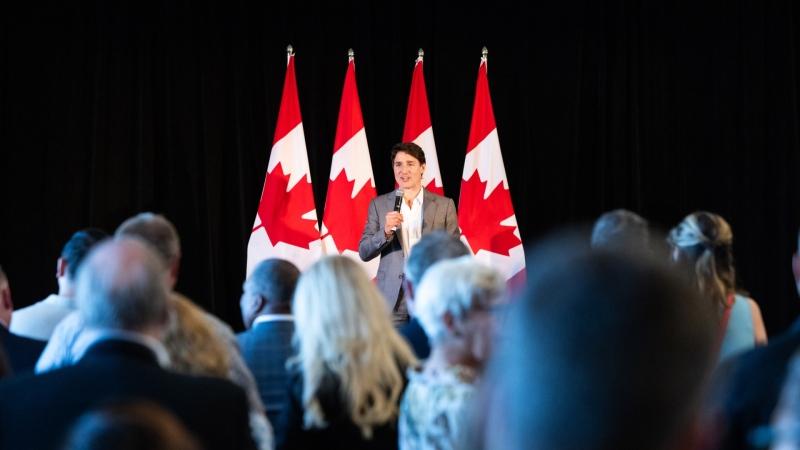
x=275 y=280
x=410 y=148
x=78 y=246
x=614 y=341
x=432 y=248
x=620 y=228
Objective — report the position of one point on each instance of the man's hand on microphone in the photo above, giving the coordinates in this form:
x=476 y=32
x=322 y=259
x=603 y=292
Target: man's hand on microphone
x=393 y=220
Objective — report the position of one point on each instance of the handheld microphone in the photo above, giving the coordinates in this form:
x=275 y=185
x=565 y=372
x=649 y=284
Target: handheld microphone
x=398 y=201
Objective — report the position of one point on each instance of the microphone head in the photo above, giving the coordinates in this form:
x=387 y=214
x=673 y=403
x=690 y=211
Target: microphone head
x=399 y=192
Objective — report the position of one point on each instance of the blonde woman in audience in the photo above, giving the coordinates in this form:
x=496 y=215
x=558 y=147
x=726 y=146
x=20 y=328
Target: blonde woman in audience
x=704 y=241
x=455 y=303
x=348 y=377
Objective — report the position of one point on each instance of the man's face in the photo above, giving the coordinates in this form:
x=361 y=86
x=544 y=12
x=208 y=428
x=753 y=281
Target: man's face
x=408 y=171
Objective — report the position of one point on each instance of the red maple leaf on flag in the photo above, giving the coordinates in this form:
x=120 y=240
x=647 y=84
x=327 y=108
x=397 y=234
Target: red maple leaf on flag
x=281 y=215
x=345 y=222
x=480 y=222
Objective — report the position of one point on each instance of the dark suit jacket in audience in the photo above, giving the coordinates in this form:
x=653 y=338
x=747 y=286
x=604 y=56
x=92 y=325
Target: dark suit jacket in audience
x=753 y=384
x=265 y=349
x=37 y=411
x=21 y=352
x=417 y=338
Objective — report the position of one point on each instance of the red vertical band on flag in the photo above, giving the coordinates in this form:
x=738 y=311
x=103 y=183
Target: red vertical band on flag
x=482 y=113
x=289 y=112
x=418 y=116
x=350 y=118
x=418 y=130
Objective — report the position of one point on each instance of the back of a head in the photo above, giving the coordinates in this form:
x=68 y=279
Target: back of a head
x=705 y=241
x=130 y=425
x=78 y=246
x=613 y=341
x=336 y=303
x=457 y=286
x=430 y=249
x=121 y=285
x=620 y=228
x=340 y=319
x=156 y=230
x=275 y=279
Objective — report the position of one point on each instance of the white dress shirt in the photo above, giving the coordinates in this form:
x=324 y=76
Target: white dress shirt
x=412 y=223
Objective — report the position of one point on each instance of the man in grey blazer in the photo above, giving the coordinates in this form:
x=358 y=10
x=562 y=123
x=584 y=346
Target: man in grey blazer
x=391 y=234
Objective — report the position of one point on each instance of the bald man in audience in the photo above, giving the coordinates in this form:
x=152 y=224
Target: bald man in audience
x=606 y=350
x=38 y=321
x=266 y=305
x=431 y=248
x=125 y=304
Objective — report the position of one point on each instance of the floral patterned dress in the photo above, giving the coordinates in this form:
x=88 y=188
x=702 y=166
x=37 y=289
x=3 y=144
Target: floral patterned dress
x=436 y=408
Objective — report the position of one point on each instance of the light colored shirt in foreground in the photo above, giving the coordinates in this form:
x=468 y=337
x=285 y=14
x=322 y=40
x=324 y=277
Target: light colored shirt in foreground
x=38 y=321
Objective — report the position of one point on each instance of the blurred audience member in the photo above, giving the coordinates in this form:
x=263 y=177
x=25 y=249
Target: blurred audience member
x=21 y=352
x=606 y=350
x=5 y=368
x=431 y=248
x=785 y=431
x=455 y=304
x=130 y=425
x=266 y=305
x=620 y=229
x=40 y=319
x=125 y=304
x=704 y=242
x=752 y=383
x=349 y=374
x=198 y=342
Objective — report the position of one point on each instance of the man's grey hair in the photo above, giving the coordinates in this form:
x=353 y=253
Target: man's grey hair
x=275 y=280
x=456 y=286
x=432 y=248
x=620 y=228
x=156 y=230
x=121 y=286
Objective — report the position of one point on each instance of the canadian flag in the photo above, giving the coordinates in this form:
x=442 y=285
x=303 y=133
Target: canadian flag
x=351 y=185
x=286 y=223
x=419 y=130
x=485 y=213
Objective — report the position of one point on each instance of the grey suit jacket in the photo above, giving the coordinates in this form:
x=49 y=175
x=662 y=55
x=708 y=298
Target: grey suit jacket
x=438 y=213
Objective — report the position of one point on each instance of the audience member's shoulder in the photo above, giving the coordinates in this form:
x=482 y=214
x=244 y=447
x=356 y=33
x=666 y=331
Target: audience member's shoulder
x=221 y=328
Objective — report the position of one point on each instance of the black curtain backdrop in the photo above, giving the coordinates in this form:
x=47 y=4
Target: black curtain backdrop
x=663 y=107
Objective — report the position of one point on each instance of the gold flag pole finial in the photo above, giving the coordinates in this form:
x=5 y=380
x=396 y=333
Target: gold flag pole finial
x=351 y=53
x=289 y=50
x=484 y=52
x=420 y=53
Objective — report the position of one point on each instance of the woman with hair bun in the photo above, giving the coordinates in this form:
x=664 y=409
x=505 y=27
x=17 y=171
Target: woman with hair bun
x=704 y=241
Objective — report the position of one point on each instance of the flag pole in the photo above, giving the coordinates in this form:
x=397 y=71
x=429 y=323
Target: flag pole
x=420 y=53
x=289 y=51
x=351 y=54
